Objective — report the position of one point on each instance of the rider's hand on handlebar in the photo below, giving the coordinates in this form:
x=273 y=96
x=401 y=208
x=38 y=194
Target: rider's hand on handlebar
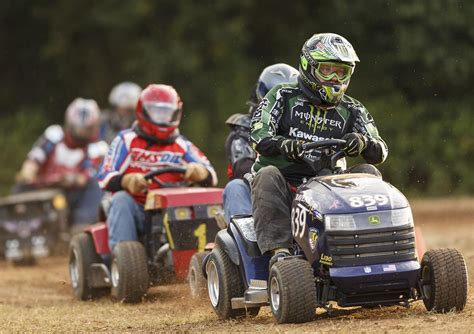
x=134 y=183
x=71 y=180
x=28 y=172
x=195 y=172
x=355 y=144
x=291 y=149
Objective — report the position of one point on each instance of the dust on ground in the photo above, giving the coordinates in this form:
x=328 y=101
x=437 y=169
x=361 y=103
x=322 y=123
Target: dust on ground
x=40 y=299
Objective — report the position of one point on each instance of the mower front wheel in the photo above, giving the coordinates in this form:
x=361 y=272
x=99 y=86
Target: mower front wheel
x=444 y=280
x=197 y=281
x=129 y=272
x=292 y=291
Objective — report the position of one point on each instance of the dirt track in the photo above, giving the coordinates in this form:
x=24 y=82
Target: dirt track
x=39 y=298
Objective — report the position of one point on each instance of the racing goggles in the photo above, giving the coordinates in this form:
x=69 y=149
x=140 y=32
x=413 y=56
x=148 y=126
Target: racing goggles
x=162 y=113
x=327 y=71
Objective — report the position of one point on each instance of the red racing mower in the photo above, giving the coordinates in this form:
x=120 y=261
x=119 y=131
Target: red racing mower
x=179 y=221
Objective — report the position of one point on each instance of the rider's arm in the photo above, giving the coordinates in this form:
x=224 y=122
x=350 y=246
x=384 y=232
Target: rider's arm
x=264 y=125
x=193 y=154
x=45 y=144
x=239 y=153
x=376 y=150
x=40 y=152
x=114 y=165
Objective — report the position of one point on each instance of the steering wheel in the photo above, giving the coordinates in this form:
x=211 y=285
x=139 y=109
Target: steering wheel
x=331 y=148
x=174 y=170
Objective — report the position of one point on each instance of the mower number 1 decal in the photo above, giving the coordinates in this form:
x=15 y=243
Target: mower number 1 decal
x=368 y=200
x=200 y=234
x=298 y=220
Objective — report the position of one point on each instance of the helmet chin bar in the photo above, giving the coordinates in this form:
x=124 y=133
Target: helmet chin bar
x=315 y=96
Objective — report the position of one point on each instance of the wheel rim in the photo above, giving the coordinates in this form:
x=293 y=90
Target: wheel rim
x=212 y=282
x=114 y=273
x=192 y=281
x=426 y=279
x=275 y=293
x=74 y=270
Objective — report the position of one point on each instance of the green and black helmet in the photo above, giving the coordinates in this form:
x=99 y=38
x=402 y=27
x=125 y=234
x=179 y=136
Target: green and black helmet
x=326 y=64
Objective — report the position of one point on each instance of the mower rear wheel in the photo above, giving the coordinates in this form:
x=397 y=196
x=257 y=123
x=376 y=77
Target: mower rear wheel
x=197 y=281
x=292 y=291
x=129 y=272
x=82 y=255
x=225 y=282
x=444 y=280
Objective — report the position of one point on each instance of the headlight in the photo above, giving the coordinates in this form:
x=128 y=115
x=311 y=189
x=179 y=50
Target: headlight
x=339 y=223
x=402 y=217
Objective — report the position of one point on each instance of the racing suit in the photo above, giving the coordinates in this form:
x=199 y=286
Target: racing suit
x=59 y=161
x=132 y=151
x=285 y=113
x=241 y=156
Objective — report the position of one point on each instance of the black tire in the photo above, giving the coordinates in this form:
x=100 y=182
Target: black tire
x=82 y=255
x=228 y=281
x=197 y=282
x=444 y=280
x=292 y=291
x=129 y=272
x=27 y=261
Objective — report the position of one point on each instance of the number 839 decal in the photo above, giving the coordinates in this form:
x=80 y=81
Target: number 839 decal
x=298 y=220
x=368 y=200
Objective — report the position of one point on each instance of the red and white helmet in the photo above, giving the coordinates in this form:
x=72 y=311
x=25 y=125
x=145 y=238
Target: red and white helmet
x=82 y=120
x=159 y=111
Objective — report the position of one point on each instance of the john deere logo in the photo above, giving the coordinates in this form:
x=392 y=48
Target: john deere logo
x=374 y=220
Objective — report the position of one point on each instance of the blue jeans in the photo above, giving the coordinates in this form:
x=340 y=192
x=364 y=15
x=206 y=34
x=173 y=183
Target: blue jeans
x=84 y=203
x=125 y=219
x=237 y=199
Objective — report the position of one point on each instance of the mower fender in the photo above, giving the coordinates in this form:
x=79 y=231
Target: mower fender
x=225 y=241
x=100 y=235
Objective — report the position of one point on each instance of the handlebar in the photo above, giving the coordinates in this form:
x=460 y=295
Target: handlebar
x=323 y=143
x=152 y=174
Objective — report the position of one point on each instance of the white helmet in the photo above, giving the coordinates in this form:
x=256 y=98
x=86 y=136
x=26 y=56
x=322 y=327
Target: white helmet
x=125 y=95
x=82 y=120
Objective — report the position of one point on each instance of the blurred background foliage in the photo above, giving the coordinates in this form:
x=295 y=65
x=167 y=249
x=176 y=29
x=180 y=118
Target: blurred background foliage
x=414 y=76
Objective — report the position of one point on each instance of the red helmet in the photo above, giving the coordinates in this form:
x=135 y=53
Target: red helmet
x=159 y=110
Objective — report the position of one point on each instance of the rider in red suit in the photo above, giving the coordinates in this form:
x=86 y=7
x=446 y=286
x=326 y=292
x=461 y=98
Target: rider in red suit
x=153 y=142
x=65 y=157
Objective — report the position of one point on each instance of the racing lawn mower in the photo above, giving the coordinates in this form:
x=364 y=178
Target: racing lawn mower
x=179 y=221
x=354 y=244
x=33 y=222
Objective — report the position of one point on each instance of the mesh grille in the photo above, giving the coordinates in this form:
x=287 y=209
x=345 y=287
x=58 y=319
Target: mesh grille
x=371 y=246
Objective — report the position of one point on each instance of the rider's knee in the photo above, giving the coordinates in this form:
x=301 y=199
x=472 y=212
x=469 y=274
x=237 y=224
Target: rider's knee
x=122 y=198
x=268 y=171
x=236 y=184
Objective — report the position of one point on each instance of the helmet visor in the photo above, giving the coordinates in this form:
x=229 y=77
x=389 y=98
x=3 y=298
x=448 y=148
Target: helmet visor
x=327 y=71
x=162 y=113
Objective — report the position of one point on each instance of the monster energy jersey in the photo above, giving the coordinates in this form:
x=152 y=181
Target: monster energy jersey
x=286 y=113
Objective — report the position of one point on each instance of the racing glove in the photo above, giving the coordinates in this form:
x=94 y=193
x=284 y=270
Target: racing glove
x=291 y=149
x=134 y=183
x=71 y=180
x=355 y=144
x=28 y=172
x=195 y=172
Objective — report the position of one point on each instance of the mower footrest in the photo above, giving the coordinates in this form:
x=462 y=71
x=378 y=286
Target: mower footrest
x=99 y=276
x=252 y=298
